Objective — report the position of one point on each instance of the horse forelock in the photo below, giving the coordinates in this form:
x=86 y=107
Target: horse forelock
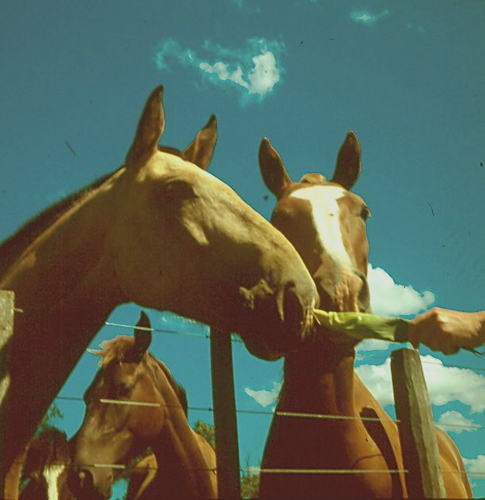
x=116 y=349
x=50 y=447
x=170 y=150
x=12 y=247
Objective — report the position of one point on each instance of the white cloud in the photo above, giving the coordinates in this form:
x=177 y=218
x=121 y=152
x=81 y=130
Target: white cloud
x=263 y=397
x=391 y=299
x=264 y=75
x=373 y=345
x=254 y=70
x=366 y=17
x=475 y=466
x=445 y=383
x=454 y=421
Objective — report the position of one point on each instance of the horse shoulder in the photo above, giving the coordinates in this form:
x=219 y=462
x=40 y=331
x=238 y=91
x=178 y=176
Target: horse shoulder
x=456 y=484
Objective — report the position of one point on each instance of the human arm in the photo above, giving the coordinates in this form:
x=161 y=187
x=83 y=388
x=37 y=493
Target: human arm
x=447 y=331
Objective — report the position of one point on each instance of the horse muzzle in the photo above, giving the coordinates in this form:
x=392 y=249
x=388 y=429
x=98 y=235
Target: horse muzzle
x=88 y=483
x=281 y=318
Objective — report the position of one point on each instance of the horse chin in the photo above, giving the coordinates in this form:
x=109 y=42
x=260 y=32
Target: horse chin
x=261 y=349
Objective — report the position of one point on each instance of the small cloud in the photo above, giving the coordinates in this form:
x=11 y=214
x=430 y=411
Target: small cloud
x=263 y=397
x=454 y=421
x=445 y=383
x=373 y=345
x=254 y=70
x=391 y=299
x=366 y=17
x=475 y=466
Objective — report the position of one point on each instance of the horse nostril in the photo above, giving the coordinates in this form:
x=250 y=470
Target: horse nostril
x=80 y=481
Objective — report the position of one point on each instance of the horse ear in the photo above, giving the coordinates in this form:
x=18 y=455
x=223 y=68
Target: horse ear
x=149 y=131
x=202 y=148
x=272 y=169
x=348 y=166
x=94 y=351
x=143 y=336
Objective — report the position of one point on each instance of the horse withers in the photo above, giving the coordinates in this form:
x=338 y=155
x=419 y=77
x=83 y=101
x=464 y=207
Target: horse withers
x=116 y=429
x=161 y=232
x=346 y=456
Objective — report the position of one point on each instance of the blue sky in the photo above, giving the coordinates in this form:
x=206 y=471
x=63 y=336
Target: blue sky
x=407 y=77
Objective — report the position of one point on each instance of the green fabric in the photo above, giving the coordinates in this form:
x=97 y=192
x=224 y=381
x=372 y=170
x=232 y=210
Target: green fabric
x=364 y=326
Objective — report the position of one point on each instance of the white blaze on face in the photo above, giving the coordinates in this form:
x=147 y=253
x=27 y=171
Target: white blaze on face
x=51 y=475
x=326 y=218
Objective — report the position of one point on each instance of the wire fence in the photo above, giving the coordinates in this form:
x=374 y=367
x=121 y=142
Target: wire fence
x=258 y=470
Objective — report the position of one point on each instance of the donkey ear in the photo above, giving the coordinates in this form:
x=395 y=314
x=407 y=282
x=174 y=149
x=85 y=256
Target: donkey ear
x=272 y=169
x=143 y=336
x=149 y=131
x=348 y=166
x=202 y=148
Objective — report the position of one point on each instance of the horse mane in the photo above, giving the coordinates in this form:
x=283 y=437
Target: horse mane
x=49 y=447
x=117 y=348
x=11 y=248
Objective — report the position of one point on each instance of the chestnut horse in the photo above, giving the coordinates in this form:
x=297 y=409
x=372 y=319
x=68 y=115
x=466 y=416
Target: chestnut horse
x=114 y=433
x=161 y=232
x=46 y=466
x=327 y=224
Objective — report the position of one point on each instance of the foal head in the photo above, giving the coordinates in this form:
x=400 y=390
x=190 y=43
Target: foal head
x=115 y=431
x=46 y=466
x=326 y=223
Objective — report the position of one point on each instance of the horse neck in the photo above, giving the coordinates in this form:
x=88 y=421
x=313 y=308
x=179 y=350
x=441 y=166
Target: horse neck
x=67 y=267
x=63 y=284
x=183 y=471
x=319 y=378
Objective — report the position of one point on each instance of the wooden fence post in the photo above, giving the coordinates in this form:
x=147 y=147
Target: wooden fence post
x=225 y=420
x=416 y=427
x=6 y=331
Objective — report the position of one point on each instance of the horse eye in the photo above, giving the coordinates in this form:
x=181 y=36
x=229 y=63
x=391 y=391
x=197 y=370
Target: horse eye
x=365 y=213
x=178 y=189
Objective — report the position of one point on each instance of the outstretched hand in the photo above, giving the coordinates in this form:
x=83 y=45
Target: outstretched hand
x=448 y=331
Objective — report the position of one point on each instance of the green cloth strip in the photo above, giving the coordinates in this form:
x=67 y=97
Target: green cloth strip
x=364 y=325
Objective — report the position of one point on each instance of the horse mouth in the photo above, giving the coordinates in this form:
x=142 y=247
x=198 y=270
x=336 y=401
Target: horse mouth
x=282 y=320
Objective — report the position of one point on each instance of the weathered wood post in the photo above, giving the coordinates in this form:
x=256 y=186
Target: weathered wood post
x=416 y=427
x=225 y=420
x=6 y=332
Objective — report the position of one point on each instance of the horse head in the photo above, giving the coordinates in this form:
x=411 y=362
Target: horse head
x=326 y=223
x=133 y=403
x=184 y=241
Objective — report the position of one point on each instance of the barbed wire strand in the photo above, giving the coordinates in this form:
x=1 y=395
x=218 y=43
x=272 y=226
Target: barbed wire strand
x=239 y=341
x=263 y=470
x=320 y=416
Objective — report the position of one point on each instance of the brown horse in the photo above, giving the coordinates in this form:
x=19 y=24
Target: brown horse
x=116 y=433
x=161 y=232
x=326 y=223
x=46 y=466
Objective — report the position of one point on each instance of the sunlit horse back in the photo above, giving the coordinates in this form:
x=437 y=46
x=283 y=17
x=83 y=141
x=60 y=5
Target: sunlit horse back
x=114 y=433
x=327 y=224
x=161 y=232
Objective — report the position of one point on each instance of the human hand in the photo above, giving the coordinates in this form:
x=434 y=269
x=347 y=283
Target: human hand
x=447 y=331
